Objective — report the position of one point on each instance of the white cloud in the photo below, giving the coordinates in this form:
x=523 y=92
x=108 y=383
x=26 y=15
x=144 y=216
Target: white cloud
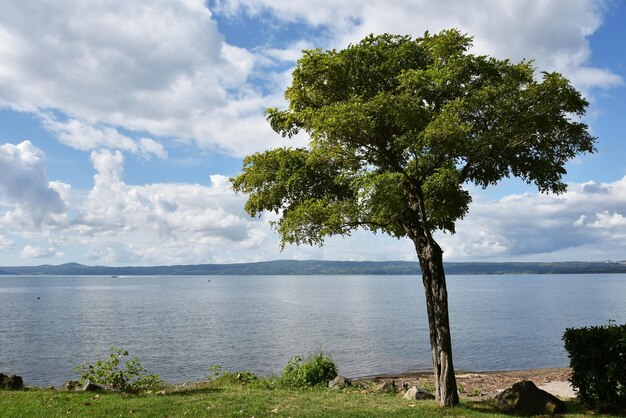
x=171 y=223
x=6 y=243
x=290 y=54
x=553 y=32
x=160 y=67
x=586 y=77
x=116 y=222
x=37 y=252
x=608 y=220
x=163 y=67
x=86 y=137
x=585 y=223
x=191 y=223
x=160 y=222
x=110 y=77
x=24 y=183
x=104 y=57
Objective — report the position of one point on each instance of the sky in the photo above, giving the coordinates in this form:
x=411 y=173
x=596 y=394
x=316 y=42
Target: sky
x=121 y=123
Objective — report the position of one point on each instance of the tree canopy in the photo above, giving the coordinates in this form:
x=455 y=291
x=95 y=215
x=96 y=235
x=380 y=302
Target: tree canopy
x=398 y=126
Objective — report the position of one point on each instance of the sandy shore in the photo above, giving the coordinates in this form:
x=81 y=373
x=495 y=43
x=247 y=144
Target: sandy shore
x=489 y=384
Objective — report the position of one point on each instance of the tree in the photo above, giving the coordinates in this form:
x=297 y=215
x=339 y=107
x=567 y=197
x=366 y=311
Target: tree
x=397 y=127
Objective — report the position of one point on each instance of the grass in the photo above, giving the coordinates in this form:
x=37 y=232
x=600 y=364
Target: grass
x=236 y=400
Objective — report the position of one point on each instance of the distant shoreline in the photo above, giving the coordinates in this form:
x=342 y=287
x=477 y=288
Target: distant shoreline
x=322 y=267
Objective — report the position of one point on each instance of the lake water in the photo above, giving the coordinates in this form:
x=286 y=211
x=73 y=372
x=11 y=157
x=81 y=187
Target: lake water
x=178 y=326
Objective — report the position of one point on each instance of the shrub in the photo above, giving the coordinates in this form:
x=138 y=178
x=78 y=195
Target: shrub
x=598 y=361
x=215 y=371
x=109 y=372
x=318 y=368
x=243 y=377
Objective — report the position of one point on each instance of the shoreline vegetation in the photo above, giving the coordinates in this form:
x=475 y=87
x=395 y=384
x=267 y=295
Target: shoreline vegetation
x=323 y=267
x=229 y=395
x=308 y=386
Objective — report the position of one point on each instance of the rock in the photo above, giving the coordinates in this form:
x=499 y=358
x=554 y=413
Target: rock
x=90 y=386
x=388 y=386
x=404 y=387
x=415 y=393
x=339 y=383
x=526 y=398
x=11 y=382
x=70 y=385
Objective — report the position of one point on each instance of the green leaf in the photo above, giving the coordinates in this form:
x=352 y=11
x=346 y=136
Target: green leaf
x=399 y=127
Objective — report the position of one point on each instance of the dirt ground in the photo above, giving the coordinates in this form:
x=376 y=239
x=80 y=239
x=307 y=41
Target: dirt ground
x=488 y=384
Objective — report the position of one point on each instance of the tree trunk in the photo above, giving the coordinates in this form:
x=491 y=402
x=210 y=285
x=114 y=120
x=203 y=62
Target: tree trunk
x=433 y=276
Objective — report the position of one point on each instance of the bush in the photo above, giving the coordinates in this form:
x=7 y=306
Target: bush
x=598 y=361
x=242 y=377
x=313 y=370
x=109 y=372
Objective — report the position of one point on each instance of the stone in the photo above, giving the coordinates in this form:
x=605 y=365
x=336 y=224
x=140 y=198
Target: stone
x=11 y=382
x=419 y=394
x=388 y=386
x=404 y=387
x=90 y=386
x=526 y=398
x=70 y=385
x=339 y=383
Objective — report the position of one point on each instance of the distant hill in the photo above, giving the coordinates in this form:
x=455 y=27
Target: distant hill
x=318 y=267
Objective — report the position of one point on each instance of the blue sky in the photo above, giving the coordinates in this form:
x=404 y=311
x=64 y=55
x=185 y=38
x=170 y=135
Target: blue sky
x=120 y=123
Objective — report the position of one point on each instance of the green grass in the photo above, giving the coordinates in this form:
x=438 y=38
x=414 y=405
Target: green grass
x=234 y=400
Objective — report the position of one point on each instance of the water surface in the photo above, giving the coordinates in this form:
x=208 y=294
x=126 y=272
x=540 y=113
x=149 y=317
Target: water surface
x=179 y=325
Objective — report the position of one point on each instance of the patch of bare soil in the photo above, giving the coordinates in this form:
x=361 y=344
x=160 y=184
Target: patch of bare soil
x=487 y=384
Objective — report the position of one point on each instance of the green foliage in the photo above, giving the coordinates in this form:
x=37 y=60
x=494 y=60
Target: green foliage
x=475 y=392
x=232 y=401
x=316 y=369
x=215 y=371
x=246 y=377
x=429 y=386
x=399 y=127
x=242 y=377
x=598 y=360
x=131 y=378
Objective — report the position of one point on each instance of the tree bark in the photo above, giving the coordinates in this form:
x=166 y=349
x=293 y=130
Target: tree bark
x=431 y=262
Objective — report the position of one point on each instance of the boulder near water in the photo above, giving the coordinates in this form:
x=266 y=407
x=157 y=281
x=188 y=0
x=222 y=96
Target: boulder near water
x=416 y=393
x=11 y=382
x=90 y=386
x=526 y=398
x=388 y=386
x=86 y=386
x=339 y=383
x=70 y=385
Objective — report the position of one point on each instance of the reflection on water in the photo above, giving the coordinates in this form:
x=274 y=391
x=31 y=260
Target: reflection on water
x=178 y=326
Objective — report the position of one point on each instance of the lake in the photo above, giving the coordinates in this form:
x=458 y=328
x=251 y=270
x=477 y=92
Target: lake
x=178 y=326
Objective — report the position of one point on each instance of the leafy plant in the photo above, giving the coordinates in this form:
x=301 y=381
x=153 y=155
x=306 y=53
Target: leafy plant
x=243 y=377
x=598 y=361
x=475 y=392
x=318 y=368
x=399 y=129
x=429 y=386
x=214 y=371
x=130 y=378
